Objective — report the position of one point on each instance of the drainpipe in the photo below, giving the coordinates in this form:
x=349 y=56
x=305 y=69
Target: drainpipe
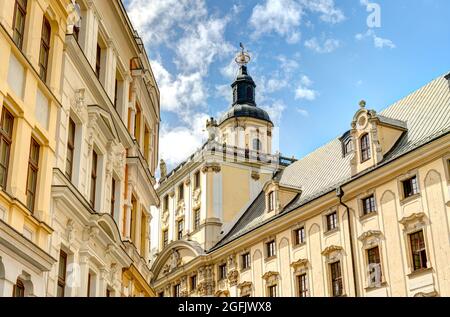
x=340 y=194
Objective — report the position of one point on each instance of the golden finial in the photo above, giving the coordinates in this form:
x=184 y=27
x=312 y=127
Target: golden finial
x=243 y=57
x=362 y=103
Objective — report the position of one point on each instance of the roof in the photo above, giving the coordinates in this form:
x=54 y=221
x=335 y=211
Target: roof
x=245 y=110
x=426 y=113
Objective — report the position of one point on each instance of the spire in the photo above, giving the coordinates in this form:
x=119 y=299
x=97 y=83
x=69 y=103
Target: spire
x=243 y=86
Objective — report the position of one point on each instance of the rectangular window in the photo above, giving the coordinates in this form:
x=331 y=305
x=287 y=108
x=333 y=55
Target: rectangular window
x=302 y=286
x=165 y=238
x=45 y=49
x=89 y=285
x=113 y=196
x=373 y=259
x=76 y=33
x=33 y=167
x=134 y=205
x=98 y=60
x=116 y=90
x=197 y=180
x=222 y=272
x=270 y=249
x=196 y=219
x=180 y=226
x=272 y=201
x=6 y=131
x=410 y=187
x=20 y=13
x=181 y=192
x=336 y=279
x=272 y=291
x=176 y=290
x=70 y=148
x=108 y=292
x=368 y=205
x=137 y=124
x=299 y=235
x=245 y=261
x=161 y=294
x=419 y=254
x=93 y=178
x=193 y=282
x=62 y=269
x=332 y=221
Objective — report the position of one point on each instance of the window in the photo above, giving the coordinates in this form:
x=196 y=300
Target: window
x=89 y=285
x=76 y=33
x=180 y=192
x=137 y=124
x=108 y=292
x=45 y=49
x=116 y=88
x=19 y=289
x=270 y=249
x=365 y=148
x=257 y=145
x=249 y=93
x=176 y=290
x=161 y=294
x=336 y=279
x=271 y=201
x=332 y=221
x=222 y=272
x=98 y=59
x=20 y=12
x=272 y=291
x=6 y=131
x=166 y=203
x=93 y=178
x=348 y=146
x=180 y=226
x=33 y=167
x=302 y=286
x=197 y=180
x=62 y=269
x=134 y=205
x=165 y=238
x=113 y=196
x=419 y=254
x=196 y=219
x=70 y=148
x=193 y=282
x=245 y=261
x=373 y=259
x=299 y=236
x=368 y=205
x=410 y=187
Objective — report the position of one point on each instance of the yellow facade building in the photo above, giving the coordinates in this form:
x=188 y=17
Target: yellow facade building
x=79 y=144
x=365 y=215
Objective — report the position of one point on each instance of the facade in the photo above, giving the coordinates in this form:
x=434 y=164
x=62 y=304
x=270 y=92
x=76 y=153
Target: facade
x=97 y=138
x=365 y=215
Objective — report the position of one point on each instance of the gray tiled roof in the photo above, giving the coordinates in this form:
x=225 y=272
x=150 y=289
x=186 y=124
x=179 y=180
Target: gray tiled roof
x=426 y=113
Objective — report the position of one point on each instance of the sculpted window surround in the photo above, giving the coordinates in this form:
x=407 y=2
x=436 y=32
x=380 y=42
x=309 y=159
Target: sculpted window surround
x=375 y=276
x=245 y=289
x=300 y=268
x=409 y=186
x=333 y=258
x=271 y=280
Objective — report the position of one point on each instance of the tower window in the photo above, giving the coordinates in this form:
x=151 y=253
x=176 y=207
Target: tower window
x=249 y=93
x=257 y=145
x=365 y=148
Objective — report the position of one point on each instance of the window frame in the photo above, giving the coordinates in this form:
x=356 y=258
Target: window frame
x=7 y=139
x=193 y=282
x=113 y=196
x=180 y=229
x=245 y=261
x=333 y=225
x=272 y=290
x=45 y=48
x=372 y=205
x=71 y=133
x=19 y=289
x=197 y=219
x=336 y=267
x=165 y=238
x=420 y=252
x=33 y=170
x=299 y=239
x=413 y=184
x=365 y=150
x=61 y=283
x=271 y=249
x=197 y=180
x=180 y=192
x=222 y=270
x=94 y=172
x=302 y=284
x=19 y=9
x=98 y=60
x=271 y=201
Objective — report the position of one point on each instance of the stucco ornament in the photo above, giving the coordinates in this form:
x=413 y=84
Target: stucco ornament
x=78 y=104
x=173 y=263
x=233 y=277
x=163 y=168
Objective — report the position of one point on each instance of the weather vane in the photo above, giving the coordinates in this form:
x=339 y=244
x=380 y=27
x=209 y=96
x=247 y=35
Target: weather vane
x=243 y=57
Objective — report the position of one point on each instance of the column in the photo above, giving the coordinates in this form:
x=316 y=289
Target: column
x=44 y=181
x=6 y=287
x=110 y=69
x=90 y=34
x=128 y=207
x=103 y=283
x=55 y=60
x=84 y=273
x=137 y=229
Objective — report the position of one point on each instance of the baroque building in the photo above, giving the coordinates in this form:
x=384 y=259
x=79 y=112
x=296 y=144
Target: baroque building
x=75 y=215
x=367 y=214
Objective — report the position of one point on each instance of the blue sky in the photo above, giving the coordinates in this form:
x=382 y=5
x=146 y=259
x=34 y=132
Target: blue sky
x=312 y=61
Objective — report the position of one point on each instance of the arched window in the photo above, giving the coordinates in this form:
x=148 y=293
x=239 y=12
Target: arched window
x=257 y=146
x=365 y=147
x=348 y=146
x=19 y=289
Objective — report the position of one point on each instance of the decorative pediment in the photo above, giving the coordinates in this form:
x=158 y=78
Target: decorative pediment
x=299 y=264
x=233 y=277
x=427 y=294
x=369 y=235
x=222 y=293
x=413 y=220
x=331 y=249
x=173 y=263
x=271 y=277
x=245 y=284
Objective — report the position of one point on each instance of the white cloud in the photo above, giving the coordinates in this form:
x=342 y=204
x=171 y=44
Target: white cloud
x=230 y=70
x=378 y=42
x=287 y=65
x=303 y=112
x=277 y=16
x=275 y=110
x=304 y=91
x=328 y=45
x=329 y=13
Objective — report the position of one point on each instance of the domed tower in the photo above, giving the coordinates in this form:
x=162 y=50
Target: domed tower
x=245 y=125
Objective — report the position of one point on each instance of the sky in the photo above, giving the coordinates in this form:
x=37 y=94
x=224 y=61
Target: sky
x=312 y=61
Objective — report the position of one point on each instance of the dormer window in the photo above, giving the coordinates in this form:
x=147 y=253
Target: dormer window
x=348 y=146
x=365 y=147
x=271 y=201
